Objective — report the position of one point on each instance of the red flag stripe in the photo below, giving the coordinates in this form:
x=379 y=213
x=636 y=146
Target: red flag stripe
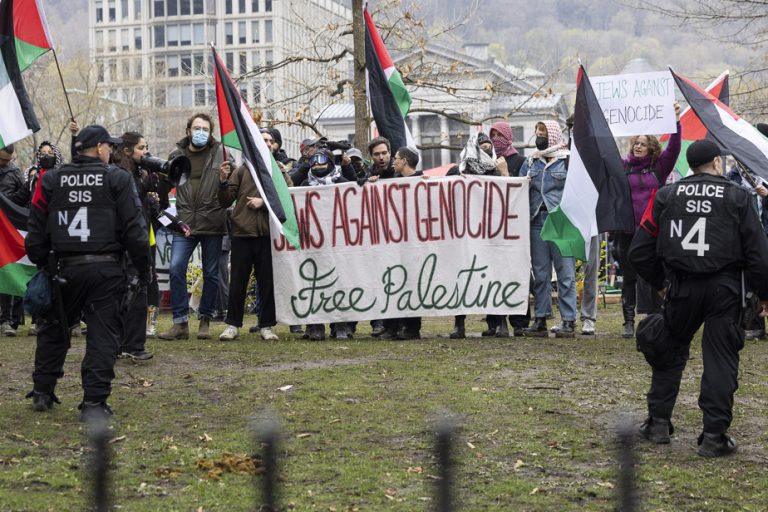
x=381 y=50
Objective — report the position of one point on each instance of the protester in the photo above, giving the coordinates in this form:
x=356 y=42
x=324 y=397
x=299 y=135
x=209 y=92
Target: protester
x=699 y=259
x=547 y=171
x=358 y=164
x=197 y=206
x=647 y=168
x=88 y=231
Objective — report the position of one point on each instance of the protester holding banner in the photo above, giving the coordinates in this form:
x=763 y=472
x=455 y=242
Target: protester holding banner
x=647 y=168
x=547 y=171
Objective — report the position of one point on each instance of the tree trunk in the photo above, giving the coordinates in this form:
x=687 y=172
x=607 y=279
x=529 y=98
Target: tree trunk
x=362 y=120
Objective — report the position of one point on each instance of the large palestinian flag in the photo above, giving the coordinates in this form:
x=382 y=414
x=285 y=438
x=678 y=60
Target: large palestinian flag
x=387 y=94
x=238 y=131
x=735 y=135
x=15 y=268
x=692 y=129
x=596 y=196
x=18 y=119
x=33 y=38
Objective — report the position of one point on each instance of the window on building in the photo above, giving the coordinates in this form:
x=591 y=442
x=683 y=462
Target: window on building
x=254 y=5
x=99 y=39
x=244 y=93
x=229 y=61
x=430 y=136
x=124 y=9
x=198 y=63
x=269 y=58
x=99 y=4
x=241 y=6
x=160 y=66
x=243 y=58
x=125 y=69
x=159 y=9
x=186 y=35
x=138 y=70
x=257 y=93
x=186 y=65
x=187 y=95
x=198 y=33
x=172 y=35
x=159 y=36
x=198 y=7
x=173 y=65
x=229 y=38
x=125 y=39
x=112 y=10
x=100 y=71
x=112 y=40
x=160 y=96
x=254 y=31
x=112 y=69
x=228 y=7
x=269 y=94
x=267 y=5
x=174 y=96
x=185 y=8
x=173 y=7
x=137 y=9
x=242 y=39
x=137 y=38
x=200 y=94
x=267 y=31
x=255 y=59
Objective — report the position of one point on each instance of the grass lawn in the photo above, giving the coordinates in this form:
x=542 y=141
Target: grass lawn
x=537 y=417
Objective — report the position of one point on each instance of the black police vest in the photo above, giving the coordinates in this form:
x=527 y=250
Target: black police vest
x=699 y=226
x=82 y=212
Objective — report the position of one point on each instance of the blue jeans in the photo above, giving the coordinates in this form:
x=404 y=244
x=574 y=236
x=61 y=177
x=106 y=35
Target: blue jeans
x=543 y=256
x=181 y=250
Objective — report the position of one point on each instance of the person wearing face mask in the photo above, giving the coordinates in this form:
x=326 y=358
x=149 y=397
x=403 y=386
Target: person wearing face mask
x=197 y=205
x=547 y=171
x=698 y=243
x=647 y=168
x=89 y=215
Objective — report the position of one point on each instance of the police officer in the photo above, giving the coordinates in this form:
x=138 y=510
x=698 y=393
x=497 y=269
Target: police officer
x=704 y=235
x=88 y=215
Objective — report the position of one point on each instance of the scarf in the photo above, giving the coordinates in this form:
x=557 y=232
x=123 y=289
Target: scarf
x=557 y=148
x=476 y=161
x=328 y=179
x=638 y=163
x=502 y=139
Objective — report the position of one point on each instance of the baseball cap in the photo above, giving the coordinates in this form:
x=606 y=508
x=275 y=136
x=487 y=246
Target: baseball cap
x=355 y=153
x=92 y=135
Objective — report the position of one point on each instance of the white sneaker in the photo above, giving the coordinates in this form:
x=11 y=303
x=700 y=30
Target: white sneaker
x=230 y=333
x=267 y=334
x=588 y=327
x=7 y=330
x=557 y=328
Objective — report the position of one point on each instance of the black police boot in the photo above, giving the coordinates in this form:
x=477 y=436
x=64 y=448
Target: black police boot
x=502 y=331
x=94 y=411
x=567 y=329
x=629 y=329
x=458 y=332
x=657 y=430
x=716 y=445
x=316 y=332
x=41 y=401
x=341 y=332
x=538 y=329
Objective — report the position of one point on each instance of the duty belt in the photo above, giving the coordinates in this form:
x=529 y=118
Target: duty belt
x=84 y=259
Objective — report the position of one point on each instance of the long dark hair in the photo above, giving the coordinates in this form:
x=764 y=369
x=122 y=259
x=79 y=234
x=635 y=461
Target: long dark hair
x=121 y=157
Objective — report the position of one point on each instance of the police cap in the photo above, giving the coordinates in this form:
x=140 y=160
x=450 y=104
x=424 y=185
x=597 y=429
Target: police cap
x=92 y=135
x=702 y=152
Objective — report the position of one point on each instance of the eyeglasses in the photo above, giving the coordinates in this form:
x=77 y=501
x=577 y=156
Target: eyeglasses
x=319 y=159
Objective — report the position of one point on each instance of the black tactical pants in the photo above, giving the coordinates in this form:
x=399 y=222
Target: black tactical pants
x=95 y=289
x=134 y=320
x=714 y=301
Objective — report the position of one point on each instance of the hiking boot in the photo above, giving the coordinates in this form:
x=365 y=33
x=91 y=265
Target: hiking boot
x=267 y=334
x=657 y=430
x=316 y=332
x=502 y=331
x=177 y=332
x=458 y=332
x=41 y=401
x=137 y=355
x=538 y=329
x=567 y=329
x=588 y=327
x=230 y=333
x=716 y=445
x=629 y=330
x=94 y=411
x=203 y=330
x=377 y=328
x=7 y=329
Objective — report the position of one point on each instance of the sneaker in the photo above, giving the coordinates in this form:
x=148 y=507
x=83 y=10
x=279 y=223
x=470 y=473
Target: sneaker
x=7 y=330
x=267 y=334
x=588 y=327
x=657 y=430
x=42 y=402
x=138 y=355
x=716 y=445
x=94 y=410
x=230 y=333
x=151 y=331
x=756 y=334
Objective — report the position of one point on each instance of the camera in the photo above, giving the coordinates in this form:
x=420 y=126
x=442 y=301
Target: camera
x=175 y=170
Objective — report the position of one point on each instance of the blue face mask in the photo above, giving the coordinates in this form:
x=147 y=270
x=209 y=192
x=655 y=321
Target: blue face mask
x=199 y=138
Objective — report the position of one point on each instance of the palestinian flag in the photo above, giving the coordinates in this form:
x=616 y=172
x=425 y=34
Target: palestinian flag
x=15 y=268
x=238 y=131
x=18 y=119
x=692 y=129
x=735 y=135
x=387 y=94
x=33 y=38
x=596 y=196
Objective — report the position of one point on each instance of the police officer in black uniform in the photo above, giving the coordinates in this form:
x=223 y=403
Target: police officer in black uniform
x=703 y=235
x=88 y=215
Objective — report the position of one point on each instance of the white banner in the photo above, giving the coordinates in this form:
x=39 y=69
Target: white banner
x=637 y=103
x=405 y=247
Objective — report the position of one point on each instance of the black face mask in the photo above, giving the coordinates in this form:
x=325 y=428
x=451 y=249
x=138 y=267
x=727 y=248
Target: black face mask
x=489 y=151
x=47 y=161
x=542 y=143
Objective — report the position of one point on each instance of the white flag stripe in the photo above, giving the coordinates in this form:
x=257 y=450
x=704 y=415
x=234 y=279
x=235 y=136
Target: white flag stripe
x=13 y=127
x=579 y=200
x=744 y=130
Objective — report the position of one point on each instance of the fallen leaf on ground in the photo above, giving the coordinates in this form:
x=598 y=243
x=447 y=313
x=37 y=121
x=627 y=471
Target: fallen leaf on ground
x=607 y=485
x=117 y=439
x=230 y=463
x=285 y=388
x=418 y=469
x=534 y=491
x=470 y=445
x=518 y=464
x=165 y=472
x=206 y=438
x=302 y=436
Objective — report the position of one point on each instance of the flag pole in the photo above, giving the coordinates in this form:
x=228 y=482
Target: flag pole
x=63 y=87
x=215 y=59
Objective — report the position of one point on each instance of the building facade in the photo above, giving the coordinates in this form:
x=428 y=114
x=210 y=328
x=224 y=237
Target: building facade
x=155 y=56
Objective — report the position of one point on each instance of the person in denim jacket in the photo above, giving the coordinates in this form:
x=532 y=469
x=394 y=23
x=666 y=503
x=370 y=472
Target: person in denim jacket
x=546 y=168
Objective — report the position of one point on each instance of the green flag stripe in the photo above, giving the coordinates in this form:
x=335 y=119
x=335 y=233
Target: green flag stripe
x=399 y=91
x=14 y=278
x=290 y=226
x=564 y=234
x=27 y=53
x=231 y=140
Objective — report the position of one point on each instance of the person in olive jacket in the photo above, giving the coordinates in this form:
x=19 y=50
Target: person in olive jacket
x=197 y=205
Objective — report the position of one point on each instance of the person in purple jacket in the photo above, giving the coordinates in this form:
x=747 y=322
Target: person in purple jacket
x=647 y=168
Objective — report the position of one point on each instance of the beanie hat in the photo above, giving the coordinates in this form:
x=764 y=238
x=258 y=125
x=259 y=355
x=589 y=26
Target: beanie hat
x=702 y=152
